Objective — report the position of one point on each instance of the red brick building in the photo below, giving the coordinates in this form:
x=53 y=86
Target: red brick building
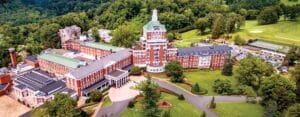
x=87 y=78
x=57 y=64
x=154 y=51
x=5 y=83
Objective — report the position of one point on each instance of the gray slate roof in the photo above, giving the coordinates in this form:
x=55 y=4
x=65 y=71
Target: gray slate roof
x=2 y=86
x=37 y=80
x=269 y=46
x=97 y=65
x=116 y=73
x=204 y=50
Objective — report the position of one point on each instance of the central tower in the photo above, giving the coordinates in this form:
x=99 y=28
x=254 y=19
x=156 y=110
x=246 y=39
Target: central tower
x=152 y=50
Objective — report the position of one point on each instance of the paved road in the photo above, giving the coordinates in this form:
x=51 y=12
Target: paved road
x=115 y=110
x=200 y=101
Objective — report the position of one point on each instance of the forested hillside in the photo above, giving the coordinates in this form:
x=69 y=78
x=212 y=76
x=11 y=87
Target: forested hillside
x=32 y=25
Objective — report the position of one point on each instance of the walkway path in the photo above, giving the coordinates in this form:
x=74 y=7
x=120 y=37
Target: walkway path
x=200 y=101
x=120 y=103
x=120 y=98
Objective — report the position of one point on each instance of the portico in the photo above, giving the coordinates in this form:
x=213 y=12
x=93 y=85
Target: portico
x=118 y=78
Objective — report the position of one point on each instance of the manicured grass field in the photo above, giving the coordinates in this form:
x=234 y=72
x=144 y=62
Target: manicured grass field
x=188 y=38
x=238 y=110
x=287 y=2
x=283 y=32
x=206 y=78
x=106 y=102
x=180 y=108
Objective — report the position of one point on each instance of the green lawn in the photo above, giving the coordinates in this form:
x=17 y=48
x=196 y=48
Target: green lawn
x=283 y=32
x=188 y=38
x=238 y=110
x=180 y=108
x=106 y=102
x=206 y=78
x=287 y=2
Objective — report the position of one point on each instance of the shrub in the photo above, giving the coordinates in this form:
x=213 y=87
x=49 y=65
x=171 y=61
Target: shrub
x=166 y=113
x=239 y=41
x=95 y=96
x=222 y=87
x=196 y=88
x=212 y=104
x=135 y=70
x=181 y=97
x=131 y=104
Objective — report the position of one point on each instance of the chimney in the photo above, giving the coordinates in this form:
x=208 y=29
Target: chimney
x=13 y=57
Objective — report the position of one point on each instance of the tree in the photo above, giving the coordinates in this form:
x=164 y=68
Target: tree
x=271 y=109
x=228 y=67
x=290 y=12
x=95 y=96
x=196 y=88
x=238 y=40
x=212 y=104
x=293 y=111
x=135 y=70
x=291 y=56
x=202 y=24
x=222 y=87
x=252 y=70
x=175 y=70
x=171 y=36
x=181 y=97
x=269 y=15
x=124 y=36
x=151 y=97
x=131 y=104
x=218 y=26
x=95 y=34
x=61 y=106
x=247 y=90
x=296 y=75
x=166 y=113
x=203 y=114
x=278 y=89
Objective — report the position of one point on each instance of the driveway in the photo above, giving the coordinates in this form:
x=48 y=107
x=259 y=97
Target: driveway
x=199 y=101
x=120 y=98
x=120 y=104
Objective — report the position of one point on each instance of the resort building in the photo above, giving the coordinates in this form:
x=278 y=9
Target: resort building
x=92 y=76
x=154 y=51
x=36 y=86
x=58 y=64
x=272 y=53
x=118 y=77
x=204 y=56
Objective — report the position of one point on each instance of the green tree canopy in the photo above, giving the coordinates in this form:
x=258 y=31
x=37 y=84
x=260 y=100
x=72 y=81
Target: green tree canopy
x=175 y=70
x=62 y=106
x=123 y=36
x=278 y=89
x=135 y=70
x=222 y=87
x=151 y=97
x=228 y=67
x=252 y=70
x=293 y=111
x=96 y=96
